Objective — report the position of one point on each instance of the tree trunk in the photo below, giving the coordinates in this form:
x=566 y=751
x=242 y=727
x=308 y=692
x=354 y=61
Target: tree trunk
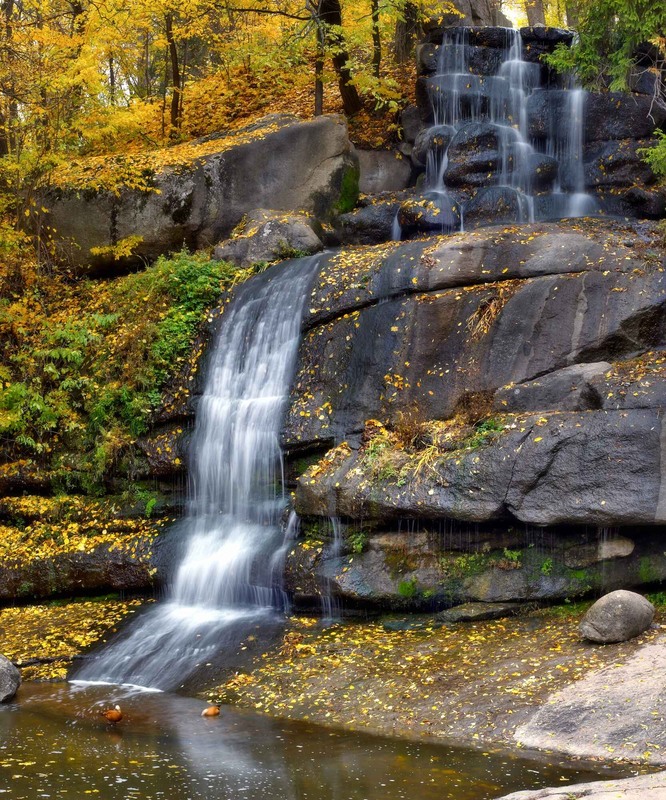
x=174 y=116
x=406 y=33
x=6 y=119
x=535 y=12
x=330 y=15
x=112 y=80
x=319 y=73
x=376 y=38
x=573 y=13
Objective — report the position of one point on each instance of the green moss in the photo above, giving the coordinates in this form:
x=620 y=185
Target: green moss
x=484 y=432
x=465 y=565
x=348 y=190
x=546 y=566
x=408 y=589
x=399 y=561
x=357 y=541
x=647 y=571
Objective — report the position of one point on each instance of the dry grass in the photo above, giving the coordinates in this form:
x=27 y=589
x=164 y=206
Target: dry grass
x=483 y=318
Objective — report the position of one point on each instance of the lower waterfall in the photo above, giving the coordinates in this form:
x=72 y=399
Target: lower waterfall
x=229 y=576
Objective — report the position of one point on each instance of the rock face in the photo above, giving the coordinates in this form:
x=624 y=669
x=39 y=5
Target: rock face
x=280 y=163
x=10 y=679
x=383 y=171
x=78 y=573
x=608 y=713
x=477 y=381
x=616 y=617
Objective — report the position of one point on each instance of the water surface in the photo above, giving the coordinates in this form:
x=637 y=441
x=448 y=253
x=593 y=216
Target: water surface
x=55 y=744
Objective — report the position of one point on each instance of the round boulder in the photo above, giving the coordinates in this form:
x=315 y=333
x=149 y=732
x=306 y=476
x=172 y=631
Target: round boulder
x=617 y=617
x=10 y=679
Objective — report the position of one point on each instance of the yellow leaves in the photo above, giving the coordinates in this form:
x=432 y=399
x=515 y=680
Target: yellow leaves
x=57 y=632
x=122 y=249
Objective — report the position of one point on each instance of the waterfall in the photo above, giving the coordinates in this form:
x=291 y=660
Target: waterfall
x=226 y=580
x=499 y=103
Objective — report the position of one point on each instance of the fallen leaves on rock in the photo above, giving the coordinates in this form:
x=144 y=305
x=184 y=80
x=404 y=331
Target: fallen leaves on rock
x=471 y=682
x=58 y=631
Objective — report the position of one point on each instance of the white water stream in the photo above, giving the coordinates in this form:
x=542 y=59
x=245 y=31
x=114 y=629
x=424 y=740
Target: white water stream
x=229 y=577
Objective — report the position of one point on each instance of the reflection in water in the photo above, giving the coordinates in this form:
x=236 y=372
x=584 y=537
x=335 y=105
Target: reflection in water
x=55 y=744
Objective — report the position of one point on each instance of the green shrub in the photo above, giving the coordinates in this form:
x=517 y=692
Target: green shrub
x=86 y=366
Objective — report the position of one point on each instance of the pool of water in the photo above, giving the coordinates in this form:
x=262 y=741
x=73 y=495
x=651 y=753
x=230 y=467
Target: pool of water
x=55 y=744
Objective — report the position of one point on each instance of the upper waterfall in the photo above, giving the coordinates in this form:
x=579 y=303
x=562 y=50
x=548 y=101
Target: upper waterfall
x=228 y=576
x=482 y=121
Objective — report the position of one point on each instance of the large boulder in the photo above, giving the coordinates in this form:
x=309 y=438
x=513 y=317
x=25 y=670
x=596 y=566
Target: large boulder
x=10 y=679
x=280 y=163
x=616 y=617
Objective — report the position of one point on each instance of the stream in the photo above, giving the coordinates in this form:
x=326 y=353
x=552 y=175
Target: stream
x=55 y=744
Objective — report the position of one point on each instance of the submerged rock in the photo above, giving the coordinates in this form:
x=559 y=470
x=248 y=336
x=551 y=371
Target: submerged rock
x=616 y=617
x=643 y=787
x=477 y=612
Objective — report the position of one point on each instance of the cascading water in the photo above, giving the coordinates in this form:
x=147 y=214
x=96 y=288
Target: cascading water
x=498 y=104
x=229 y=577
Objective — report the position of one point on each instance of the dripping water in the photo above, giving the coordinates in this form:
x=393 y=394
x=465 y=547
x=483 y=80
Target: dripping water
x=330 y=604
x=227 y=580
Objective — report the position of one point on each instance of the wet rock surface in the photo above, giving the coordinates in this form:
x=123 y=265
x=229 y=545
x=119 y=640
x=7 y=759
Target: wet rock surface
x=464 y=80
x=643 y=787
x=533 y=356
